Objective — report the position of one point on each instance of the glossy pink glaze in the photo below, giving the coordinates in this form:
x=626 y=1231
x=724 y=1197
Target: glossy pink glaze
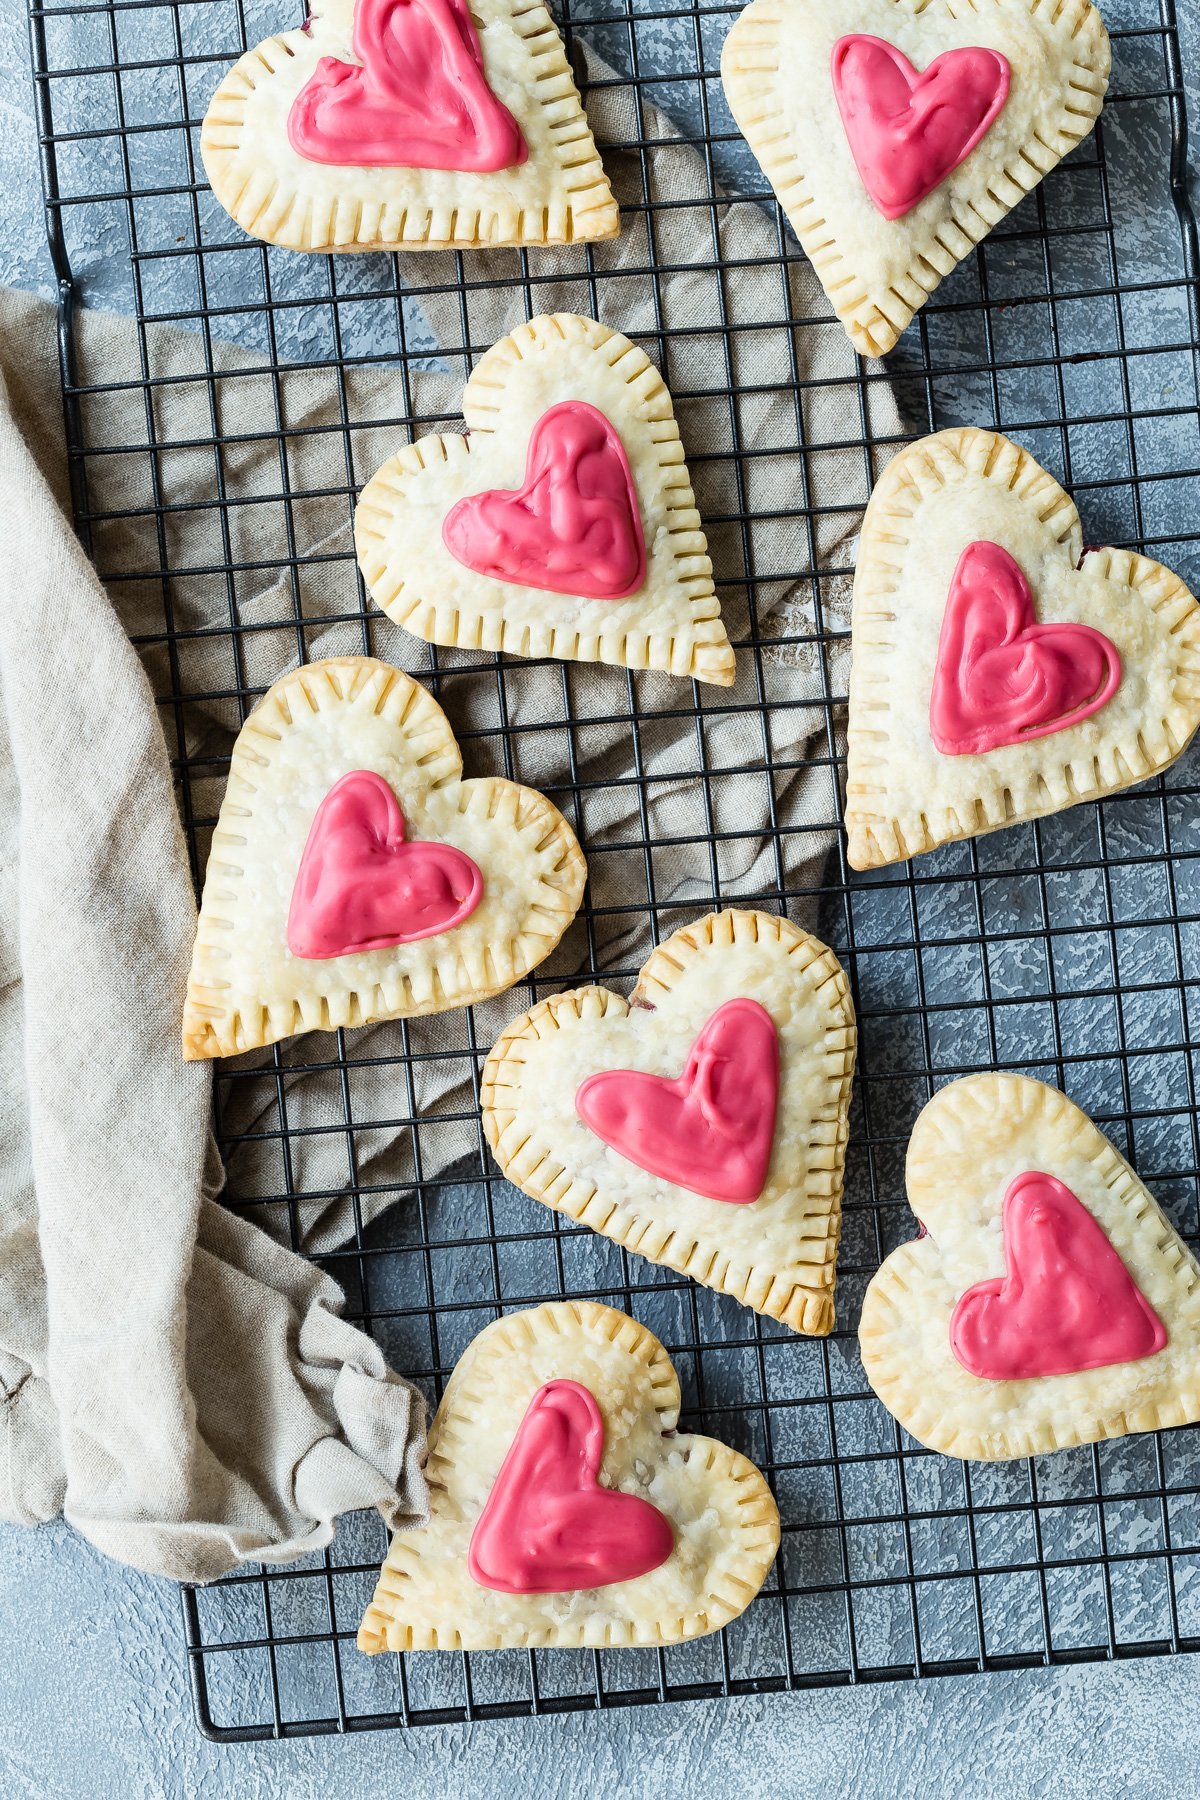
x=908 y=131
x=711 y=1130
x=420 y=100
x=573 y=528
x=548 y=1527
x=1067 y=1303
x=361 y=886
x=1000 y=677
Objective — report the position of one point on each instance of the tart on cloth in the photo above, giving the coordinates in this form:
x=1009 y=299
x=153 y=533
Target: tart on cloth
x=702 y=1122
x=1000 y=672
x=567 y=1509
x=897 y=133
x=563 y=525
x=408 y=125
x=1047 y=1302
x=354 y=875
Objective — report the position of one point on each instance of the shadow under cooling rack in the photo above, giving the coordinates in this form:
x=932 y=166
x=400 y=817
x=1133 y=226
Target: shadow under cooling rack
x=214 y=478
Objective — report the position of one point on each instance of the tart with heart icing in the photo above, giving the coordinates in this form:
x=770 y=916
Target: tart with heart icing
x=1048 y=1302
x=897 y=133
x=702 y=1123
x=408 y=124
x=567 y=1508
x=355 y=875
x=999 y=672
x=563 y=524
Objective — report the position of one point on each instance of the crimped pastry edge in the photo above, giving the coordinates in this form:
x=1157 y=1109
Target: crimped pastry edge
x=900 y=1284
x=876 y=834
x=732 y=1477
x=701 y=650
x=269 y=209
x=217 y=1024
x=807 y=1309
x=875 y=322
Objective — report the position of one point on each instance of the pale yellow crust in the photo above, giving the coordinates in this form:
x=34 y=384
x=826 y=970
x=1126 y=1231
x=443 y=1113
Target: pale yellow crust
x=939 y=495
x=673 y=622
x=724 y=1519
x=312 y=727
x=878 y=272
x=559 y=195
x=970 y=1142
x=778 y=1254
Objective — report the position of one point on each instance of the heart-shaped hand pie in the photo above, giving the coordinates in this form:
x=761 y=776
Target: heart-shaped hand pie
x=355 y=875
x=1048 y=1301
x=893 y=150
x=567 y=1509
x=563 y=525
x=741 y=1022
x=408 y=124
x=998 y=674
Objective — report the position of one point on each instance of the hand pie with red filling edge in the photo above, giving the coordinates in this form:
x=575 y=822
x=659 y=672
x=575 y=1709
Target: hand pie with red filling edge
x=567 y=1509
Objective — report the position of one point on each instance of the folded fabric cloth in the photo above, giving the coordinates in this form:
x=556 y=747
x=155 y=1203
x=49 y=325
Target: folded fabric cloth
x=176 y=1383
x=174 y=1380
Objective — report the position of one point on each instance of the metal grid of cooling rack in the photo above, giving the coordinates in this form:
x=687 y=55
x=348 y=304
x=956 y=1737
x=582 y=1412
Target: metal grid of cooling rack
x=214 y=473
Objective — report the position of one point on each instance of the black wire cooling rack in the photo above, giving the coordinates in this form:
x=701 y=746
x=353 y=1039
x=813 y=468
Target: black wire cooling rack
x=217 y=507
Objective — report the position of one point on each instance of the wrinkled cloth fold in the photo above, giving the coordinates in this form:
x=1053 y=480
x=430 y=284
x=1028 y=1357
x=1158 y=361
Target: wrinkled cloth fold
x=177 y=1384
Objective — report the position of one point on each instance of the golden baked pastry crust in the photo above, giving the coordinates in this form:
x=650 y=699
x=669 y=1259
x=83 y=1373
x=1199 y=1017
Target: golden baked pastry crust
x=313 y=726
x=724 y=1519
x=939 y=495
x=878 y=272
x=559 y=195
x=778 y=1254
x=968 y=1144
x=673 y=621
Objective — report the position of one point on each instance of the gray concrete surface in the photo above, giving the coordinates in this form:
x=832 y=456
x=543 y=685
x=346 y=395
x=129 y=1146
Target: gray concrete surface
x=93 y=1706
x=93 y=1688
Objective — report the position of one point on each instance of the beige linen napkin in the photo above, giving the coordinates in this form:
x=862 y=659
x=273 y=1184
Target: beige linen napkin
x=175 y=1382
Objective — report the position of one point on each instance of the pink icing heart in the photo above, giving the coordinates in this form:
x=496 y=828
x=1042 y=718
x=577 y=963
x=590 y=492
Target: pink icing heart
x=908 y=131
x=711 y=1130
x=1000 y=677
x=1067 y=1303
x=420 y=100
x=573 y=528
x=360 y=886
x=548 y=1526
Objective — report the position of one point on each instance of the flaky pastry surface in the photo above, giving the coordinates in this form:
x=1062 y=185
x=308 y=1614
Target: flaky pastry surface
x=725 y=1521
x=559 y=195
x=673 y=622
x=969 y=1143
x=939 y=495
x=878 y=272
x=312 y=727
x=777 y=1254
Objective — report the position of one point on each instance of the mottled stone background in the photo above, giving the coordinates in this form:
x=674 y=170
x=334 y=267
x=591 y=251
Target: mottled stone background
x=93 y=1694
